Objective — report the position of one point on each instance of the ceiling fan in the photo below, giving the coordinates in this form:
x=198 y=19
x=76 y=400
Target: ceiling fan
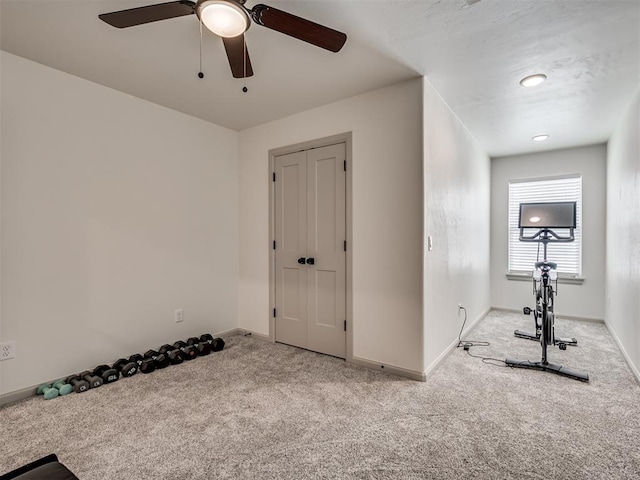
x=230 y=19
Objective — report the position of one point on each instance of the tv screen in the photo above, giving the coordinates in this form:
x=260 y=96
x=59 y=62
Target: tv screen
x=547 y=215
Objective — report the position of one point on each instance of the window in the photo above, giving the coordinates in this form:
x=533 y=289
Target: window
x=523 y=255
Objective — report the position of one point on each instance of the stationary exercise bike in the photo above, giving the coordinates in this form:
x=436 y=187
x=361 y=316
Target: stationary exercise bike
x=544 y=274
x=545 y=217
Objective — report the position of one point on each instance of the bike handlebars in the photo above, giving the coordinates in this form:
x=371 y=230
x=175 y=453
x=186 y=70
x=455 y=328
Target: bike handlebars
x=546 y=235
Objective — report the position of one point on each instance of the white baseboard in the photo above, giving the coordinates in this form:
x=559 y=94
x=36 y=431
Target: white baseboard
x=363 y=362
x=413 y=374
x=229 y=333
x=392 y=369
x=581 y=319
x=251 y=333
x=436 y=363
x=558 y=315
x=626 y=356
x=16 y=396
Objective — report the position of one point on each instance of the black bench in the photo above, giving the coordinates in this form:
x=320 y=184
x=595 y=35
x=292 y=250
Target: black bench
x=47 y=468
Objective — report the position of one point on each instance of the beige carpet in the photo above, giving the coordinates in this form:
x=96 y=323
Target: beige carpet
x=268 y=411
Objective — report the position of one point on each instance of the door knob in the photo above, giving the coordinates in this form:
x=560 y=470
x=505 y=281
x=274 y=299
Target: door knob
x=301 y=260
x=310 y=261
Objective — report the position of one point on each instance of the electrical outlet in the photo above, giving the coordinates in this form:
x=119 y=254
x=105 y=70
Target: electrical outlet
x=179 y=315
x=7 y=350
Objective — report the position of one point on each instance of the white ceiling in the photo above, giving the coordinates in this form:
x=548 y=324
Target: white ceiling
x=474 y=54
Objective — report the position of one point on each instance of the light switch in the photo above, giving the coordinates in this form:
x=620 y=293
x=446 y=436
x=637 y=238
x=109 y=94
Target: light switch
x=429 y=242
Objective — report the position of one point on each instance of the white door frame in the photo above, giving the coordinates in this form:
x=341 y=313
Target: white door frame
x=345 y=138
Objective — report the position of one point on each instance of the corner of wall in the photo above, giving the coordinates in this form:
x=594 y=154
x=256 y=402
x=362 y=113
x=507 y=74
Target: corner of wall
x=456 y=202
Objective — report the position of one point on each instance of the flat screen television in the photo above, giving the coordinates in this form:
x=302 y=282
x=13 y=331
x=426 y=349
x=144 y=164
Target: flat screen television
x=547 y=215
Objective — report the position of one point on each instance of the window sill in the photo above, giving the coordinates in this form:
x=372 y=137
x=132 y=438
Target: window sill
x=526 y=277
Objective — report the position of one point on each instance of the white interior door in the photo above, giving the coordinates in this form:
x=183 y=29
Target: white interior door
x=310 y=226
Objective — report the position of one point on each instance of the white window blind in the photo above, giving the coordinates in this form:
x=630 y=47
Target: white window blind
x=523 y=255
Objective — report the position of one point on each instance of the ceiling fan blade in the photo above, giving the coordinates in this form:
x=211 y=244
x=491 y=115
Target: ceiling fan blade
x=300 y=28
x=148 y=14
x=238 y=55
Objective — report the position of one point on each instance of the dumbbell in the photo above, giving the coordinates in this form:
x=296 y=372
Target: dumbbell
x=63 y=387
x=106 y=373
x=94 y=380
x=42 y=388
x=173 y=354
x=79 y=384
x=126 y=367
x=217 y=344
x=160 y=360
x=48 y=391
x=203 y=348
x=189 y=352
x=145 y=365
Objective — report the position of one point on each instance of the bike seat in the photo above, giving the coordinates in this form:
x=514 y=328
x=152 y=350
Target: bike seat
x=546 y=265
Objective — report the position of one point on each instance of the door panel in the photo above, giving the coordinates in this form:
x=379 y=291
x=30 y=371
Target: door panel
x=325 y=205
x=325 y=283
x=291 y=244
x=310 y=222
x=293 y=208
x=292 y=283
x=326 y=232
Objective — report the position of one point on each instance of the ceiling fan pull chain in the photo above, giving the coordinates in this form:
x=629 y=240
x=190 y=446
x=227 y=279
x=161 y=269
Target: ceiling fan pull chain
x=200 y=74
x=244 y=75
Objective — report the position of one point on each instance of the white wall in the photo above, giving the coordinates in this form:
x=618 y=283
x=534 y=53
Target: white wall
x=456 y=215
x=623 y=234
x=115 y=212
x=387 y=217
x=586 y=300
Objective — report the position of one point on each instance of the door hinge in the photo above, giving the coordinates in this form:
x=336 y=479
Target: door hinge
x=274 y=176
x=345 y=325
x=274 y=313
x=274 y=244
x=345 y=245
x=345 y=165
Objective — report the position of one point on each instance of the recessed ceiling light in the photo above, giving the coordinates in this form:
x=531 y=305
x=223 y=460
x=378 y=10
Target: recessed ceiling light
x=540 y=138
x=533 y=80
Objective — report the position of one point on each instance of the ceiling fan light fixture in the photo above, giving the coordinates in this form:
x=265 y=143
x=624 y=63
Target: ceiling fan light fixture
x=540 y=138
x=225 y=18
x=533 y=80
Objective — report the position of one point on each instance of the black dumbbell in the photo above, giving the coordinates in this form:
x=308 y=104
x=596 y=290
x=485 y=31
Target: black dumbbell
x=94 y=380
x=203 y=348
x=145 y=365
x=106 y=373
x=159 y=359
x=189 y=352
x=217 y=344
x=79 y=385
x=173 y=354
x=126 y=367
